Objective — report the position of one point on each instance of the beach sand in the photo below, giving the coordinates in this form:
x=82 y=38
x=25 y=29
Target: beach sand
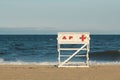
x=37 y=72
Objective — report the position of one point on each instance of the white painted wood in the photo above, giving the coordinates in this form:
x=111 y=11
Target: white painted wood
x=72 y=49
x=72 y=55
x=75 y=40
x=75 y=55
x=81 y=38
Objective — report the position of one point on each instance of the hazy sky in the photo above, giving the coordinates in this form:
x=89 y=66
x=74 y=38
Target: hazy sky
x=52 y=16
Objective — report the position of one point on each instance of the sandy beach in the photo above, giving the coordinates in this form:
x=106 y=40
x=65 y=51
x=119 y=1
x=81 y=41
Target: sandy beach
x=36 y=72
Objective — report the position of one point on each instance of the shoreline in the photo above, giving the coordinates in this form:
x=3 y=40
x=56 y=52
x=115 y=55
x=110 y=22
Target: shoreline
x=45 y=72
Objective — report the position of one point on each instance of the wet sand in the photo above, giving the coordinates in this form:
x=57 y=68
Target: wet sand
x=36 y=72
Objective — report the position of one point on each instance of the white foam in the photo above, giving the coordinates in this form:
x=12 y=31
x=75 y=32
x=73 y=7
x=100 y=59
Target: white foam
x=19 y=62
x=104 y=63
x=1 y=60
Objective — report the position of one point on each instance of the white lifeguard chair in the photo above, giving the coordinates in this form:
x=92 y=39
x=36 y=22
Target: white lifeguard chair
x=73 y=38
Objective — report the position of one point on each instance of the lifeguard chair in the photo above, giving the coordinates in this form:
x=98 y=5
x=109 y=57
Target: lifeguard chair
x=80 y=41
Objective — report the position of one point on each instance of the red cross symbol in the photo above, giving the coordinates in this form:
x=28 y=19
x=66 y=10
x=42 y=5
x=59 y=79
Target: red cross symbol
x=83 y=38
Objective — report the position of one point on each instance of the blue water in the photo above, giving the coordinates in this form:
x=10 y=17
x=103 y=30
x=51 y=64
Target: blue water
x=42 y=49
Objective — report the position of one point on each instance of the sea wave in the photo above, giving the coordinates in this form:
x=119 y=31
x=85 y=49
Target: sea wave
x=104 y=63
x=19 y=62
x=111 y=55
x=91 y=63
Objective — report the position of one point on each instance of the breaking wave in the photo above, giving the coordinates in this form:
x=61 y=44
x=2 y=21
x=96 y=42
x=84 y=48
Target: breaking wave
x=19 y=62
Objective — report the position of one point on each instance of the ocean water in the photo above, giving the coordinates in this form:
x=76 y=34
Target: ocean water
x=42 y=49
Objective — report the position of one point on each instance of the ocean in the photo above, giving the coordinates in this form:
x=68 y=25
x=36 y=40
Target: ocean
x=42 y=49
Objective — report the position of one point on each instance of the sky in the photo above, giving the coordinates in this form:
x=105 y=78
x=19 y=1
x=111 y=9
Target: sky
x=52 y=16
